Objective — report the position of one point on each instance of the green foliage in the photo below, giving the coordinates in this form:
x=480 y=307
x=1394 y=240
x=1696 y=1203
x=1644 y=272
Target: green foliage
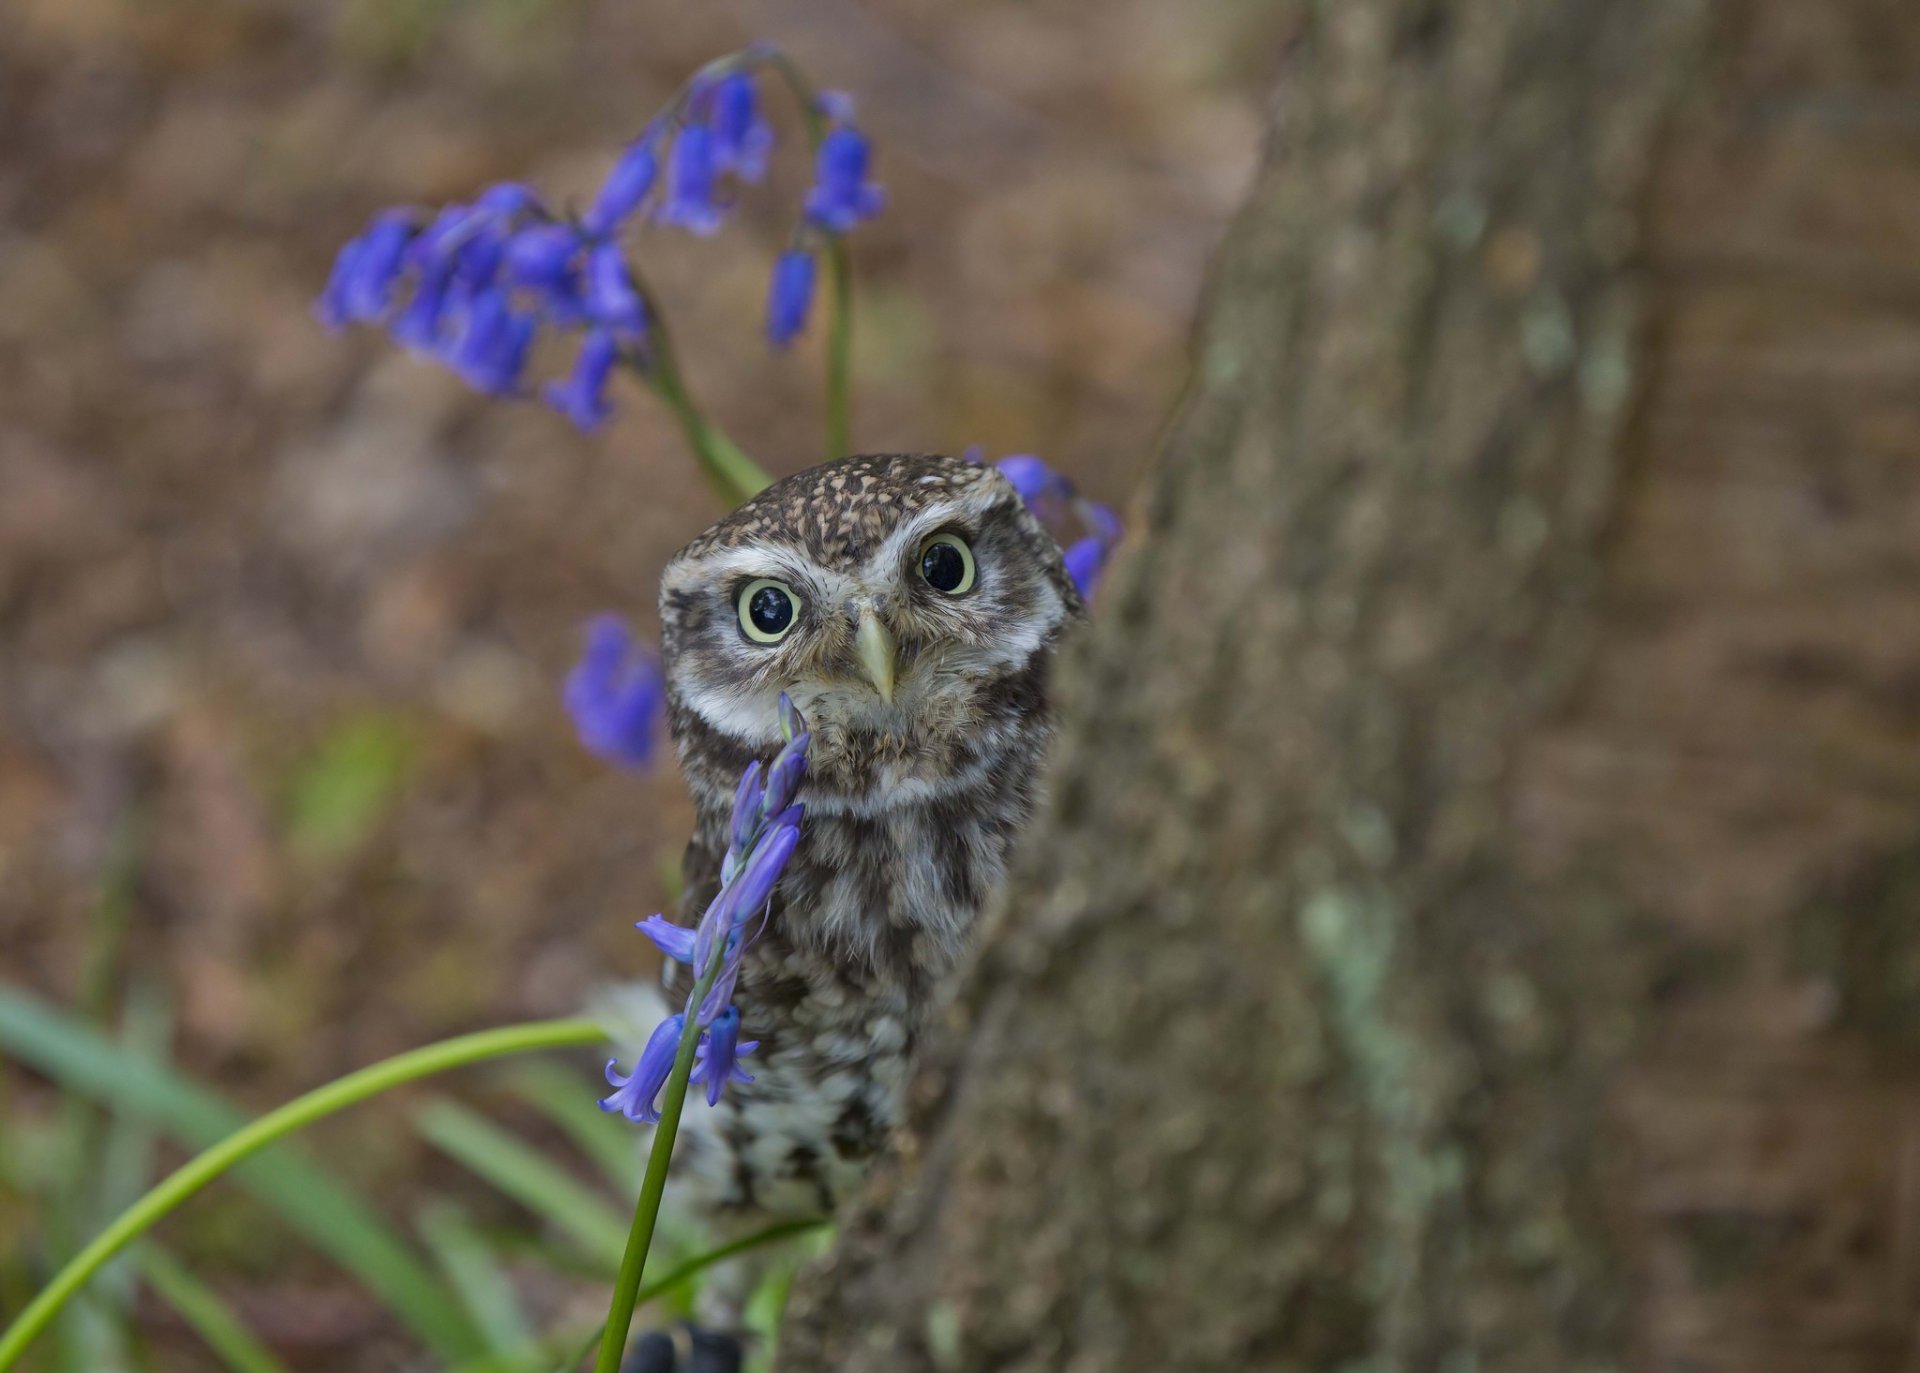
x=339 y=794
x=588 y=1218
x=93 y=1068
x=201 y=1308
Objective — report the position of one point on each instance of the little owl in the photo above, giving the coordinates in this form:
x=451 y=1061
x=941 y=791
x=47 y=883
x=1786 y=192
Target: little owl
x=911 y=607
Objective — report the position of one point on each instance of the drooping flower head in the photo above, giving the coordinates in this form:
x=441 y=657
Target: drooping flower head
x=475 y=286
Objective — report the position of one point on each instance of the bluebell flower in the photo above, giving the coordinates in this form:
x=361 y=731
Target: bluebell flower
x=1086 y=559
x=611 y=296
x=785 y=776
x=675 y=941
x=691 y=183
x=541 y=255
x=1038 y=484
x=747 y=818
x=720 y=1054
x=492 y=351
x=1055 y=503
x=753 y=888
x=842 y=196
x=616 y=695
x=582 y=397
x=762 y=836
x=629 y=183
x=635 y=1094
x=836 y=106
x=741 y=137
x=364 y=274
x=790 y=297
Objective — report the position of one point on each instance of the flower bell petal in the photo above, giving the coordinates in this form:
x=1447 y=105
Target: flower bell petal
x=616 y=695
x=720 y=1054
x=582 y=397
x=746 y=810
x=541 y=254
x=791 y=722
x=1086 y=560
x=753 y=888
x=675 y=941
x=636 y=1093
x=612 y=297
x=790 y=297
x=690 y=201
x=785 y=776
x=842 y=196
x=741 y=138
x=630 y=182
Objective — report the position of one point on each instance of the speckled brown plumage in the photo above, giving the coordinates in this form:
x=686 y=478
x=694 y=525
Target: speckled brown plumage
x=912 y=804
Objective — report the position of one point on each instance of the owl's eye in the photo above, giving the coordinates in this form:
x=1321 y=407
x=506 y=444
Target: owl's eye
x=947 y=564
x=767 y=610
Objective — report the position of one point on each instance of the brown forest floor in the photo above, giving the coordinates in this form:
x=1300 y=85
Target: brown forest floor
x=304 y=603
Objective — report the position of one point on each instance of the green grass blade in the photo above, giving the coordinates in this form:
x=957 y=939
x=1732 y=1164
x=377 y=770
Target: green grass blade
x=522 y=1172
x=336 y=1221
x=564 y=1098
x=201 y=1308
x=482 y=1284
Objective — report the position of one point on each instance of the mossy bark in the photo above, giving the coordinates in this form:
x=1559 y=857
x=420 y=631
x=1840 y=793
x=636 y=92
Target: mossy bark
x=1446 y=947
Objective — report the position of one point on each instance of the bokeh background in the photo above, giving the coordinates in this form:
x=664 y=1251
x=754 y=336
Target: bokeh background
x=283 y=614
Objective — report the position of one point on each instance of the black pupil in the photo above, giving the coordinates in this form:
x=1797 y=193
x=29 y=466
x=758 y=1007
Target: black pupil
x=944 y=566
x=771 y=610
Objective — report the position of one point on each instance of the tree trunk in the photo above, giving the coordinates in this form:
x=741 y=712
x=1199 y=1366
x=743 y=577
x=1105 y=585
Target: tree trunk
x=1478 y=920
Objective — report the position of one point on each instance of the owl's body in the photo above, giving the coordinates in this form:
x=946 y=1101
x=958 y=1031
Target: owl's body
x=926 y=696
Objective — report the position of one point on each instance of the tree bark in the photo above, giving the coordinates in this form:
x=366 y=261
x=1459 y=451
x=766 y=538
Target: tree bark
x=1477 y=924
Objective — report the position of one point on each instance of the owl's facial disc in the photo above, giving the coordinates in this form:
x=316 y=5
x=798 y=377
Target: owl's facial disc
x=888 y=597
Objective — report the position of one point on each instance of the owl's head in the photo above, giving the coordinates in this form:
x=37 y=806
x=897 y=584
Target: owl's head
x=898 y=600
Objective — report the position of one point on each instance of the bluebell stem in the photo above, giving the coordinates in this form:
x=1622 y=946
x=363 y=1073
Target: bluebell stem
x=764 y=832
x=790 y=297
x=616 y=695
x=842 y=197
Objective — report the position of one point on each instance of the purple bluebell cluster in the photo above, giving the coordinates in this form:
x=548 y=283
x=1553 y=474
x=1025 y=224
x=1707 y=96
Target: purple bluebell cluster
x=1054 y=500
x=765 y=832
x=474 y=286
x=616 y=695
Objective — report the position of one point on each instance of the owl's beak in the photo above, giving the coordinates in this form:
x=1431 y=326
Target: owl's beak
x=875 y=646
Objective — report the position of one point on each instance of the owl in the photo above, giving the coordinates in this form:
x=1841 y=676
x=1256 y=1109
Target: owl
x=911 y=606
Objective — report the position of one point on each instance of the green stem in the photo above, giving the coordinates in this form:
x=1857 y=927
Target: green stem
x=322 y=1101
x=839 y=348
x=659 y=1287
x=646 y=1211
x=839 y=276
x=735 y=476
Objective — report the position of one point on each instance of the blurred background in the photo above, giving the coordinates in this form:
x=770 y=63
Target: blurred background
x=283 y=614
